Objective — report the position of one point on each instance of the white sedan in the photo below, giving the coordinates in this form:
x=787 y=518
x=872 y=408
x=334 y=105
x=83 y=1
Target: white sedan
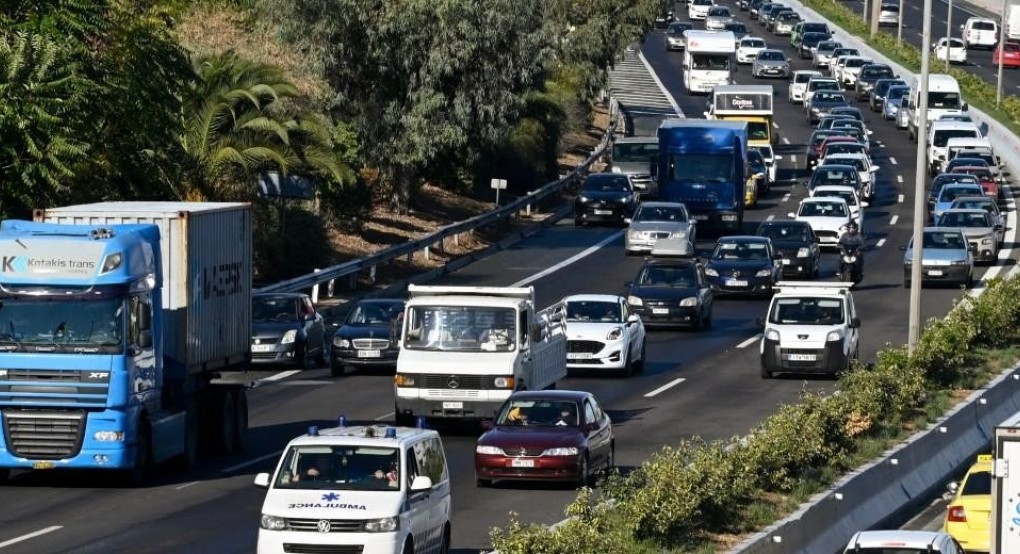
x=748 y=49
x=955 y=51
x=827 y=216
x=865 y=170
x=603 y=334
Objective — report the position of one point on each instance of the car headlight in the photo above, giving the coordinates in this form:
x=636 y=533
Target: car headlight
x=382 y=525
x=404 y=380
x=341 y=343
x=763 y=273
x=503 y=382
x=489 y=450
x=678 y=234
x=959 y=262
x=289 y=337
x=634 y=301
x=803 y=252
x=561 y=451
x=692 y=301
x=108 y=436
x=909 y=259
x=771 y=334
x=833 y=336
x=634 y=234
x=624 y=199
x=711 y=272
x=272 y=523
x=582 y=198
x=615 y=333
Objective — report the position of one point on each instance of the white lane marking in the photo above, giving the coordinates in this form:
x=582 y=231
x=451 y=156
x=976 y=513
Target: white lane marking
x=892 y=160
x=880 y=243
x=241 y=465
x=901 y=198
x=899 y=178
x=775 y=125
x=894 y=219
x=749 y=341
x=665 y=91
x=280 y=375
x=770 y=217
x=384 y=416
x=186 y=485
x=31 y=535
x=1004 y=254
x=786 y=197
x=666 y=387
x=587 y=252
x=786 y=140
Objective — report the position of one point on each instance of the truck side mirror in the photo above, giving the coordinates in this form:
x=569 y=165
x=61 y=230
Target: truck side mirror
x=262 y=480
x=421 y=483
x=855 y=323
x=536 y=332
x=144 y=319
x=145 y=339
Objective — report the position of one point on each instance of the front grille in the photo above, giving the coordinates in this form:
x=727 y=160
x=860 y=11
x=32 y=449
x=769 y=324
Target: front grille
x=45 y=387
x=292 y=548
x=265 y=340
x=805 y=364
x=452 y=393
x=370 y=344
x=335 y=525
x=43 y=375
x=584 y=346
x=824 y=233
x=44 y=435
x=520 y=451
x=462 y=381
x=263 y=355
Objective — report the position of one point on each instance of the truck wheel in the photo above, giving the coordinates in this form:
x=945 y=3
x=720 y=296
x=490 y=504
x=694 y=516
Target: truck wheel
x=765 y=374
x=136 y=476
x=241 y=420
x=4 y=475
x=189 y=458
x=225 y=424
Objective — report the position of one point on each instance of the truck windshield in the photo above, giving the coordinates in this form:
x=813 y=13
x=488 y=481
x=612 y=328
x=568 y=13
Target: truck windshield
x=340 y=468
x=461 y=328
x=941 y=138
x=807 y=311
x=710 y=62
x=80 y=325
x=944 y=100
x=635 y=152
x=701 y=167
x=757 y=130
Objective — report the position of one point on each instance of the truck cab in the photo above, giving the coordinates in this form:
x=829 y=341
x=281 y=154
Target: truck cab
x=464 y=350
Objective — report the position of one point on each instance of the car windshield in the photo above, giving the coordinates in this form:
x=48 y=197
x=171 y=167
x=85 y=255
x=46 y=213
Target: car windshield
x=811 y=39
x=857 y=62
x=719 y=11
x=964 y=219
x=803 y=77
x=807 y=311
x=849 y=196
x=823 y=209
x=635 y=152
x=771 y=55
x=977 y=483
x=976 y=204
x=607 y=183
x=754 y=157
x=895 y=93
x=785 y=232
x=943 y=180
x=826 y=46
x=667 y=276
x=845 y=148
x=942 y=136
x=742 y=251
x=539 y=413
x=951 y=193
x=757 y=130
x=787 y=17
x=274 y=309
x=847 y=122
x=84 y=325
x=826 y=96
x=710 y=62
x=819 y=85
x=374 y=313
x=736 y=28
x=661 y=213
x=817 y=138
x=845 y=52
x=824 y=176
x=958 y=163
x=815 y=28
x=755 y=43
x=340 y=468
x=937 y=240
x=461 y=329
x=982 y=173
x=983 y=26
x=594 y=310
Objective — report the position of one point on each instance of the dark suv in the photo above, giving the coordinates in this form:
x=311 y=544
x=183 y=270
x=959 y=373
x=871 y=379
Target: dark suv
x=605 y=197
x=869 y=75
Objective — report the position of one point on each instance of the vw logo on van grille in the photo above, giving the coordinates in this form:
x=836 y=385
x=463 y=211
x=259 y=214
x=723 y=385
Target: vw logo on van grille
x=323 y=526
x=453 y=382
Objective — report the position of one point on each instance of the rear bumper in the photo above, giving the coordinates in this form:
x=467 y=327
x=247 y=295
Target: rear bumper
x=545 y=468
x=953 y=274
x=674 y=315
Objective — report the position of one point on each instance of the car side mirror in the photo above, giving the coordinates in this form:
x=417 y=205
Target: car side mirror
x=627 y=220
x=488 y=424
x=760 y=322
x=965 y=107
x=262 y=480
x=952 y=487
x=870 y=132
x=777 y=158
x=628 y=284
x=855 y=322
x=999 y=227
x=421 y=483
x=633 y=318
x=791 y=215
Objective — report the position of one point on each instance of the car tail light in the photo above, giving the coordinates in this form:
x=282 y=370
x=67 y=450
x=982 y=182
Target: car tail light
x=957 y=514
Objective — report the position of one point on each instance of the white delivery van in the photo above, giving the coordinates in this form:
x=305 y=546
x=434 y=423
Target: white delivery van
x=374 y=490
x=943 y=98
x=1013 y=22
x=980 y=31
x=708 y=60
x=464 y=350
x=939 y=134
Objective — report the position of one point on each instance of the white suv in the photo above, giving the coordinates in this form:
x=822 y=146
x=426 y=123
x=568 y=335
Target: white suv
x=810 y=327
x=378 y=489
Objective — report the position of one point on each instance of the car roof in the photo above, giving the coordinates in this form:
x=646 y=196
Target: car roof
x=359 y=435
x=835 y=167
x=292 y=295
x=902 y=538
x=822 y=199
x=744 y=238
x=560 y=394
x=661 y=204
x=840 y=188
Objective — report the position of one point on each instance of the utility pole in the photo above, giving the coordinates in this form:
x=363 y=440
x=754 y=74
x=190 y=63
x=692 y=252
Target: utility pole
x=1002 y=53
x=876 y=10
x=899 y=24
x=914 y=329
x=949 y=32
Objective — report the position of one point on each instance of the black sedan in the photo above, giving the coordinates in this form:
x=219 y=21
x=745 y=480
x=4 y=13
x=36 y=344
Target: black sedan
x=672 y=292
x=605 y=197
x=287 y=330
x=808 y=43
x=744 y=265
x=797 y=242
x=369 y=336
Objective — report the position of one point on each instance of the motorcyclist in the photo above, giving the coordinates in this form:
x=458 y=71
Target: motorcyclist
x=852 y=240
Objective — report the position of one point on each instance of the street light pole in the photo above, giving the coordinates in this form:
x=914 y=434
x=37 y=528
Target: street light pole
x=876 y=10
x=949 y=32
x=1002 y=52
x=914 y=329
x=899 y=24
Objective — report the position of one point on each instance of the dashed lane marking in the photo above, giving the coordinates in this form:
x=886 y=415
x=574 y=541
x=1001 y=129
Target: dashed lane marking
x=666 y=387
x=749 y=341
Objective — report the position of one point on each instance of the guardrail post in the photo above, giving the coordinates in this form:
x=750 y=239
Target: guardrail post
x=315 y=289
x=329 y=287
x=371 y=274
x=527 y=208
x=426 y=251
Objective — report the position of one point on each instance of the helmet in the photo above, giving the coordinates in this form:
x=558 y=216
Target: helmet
x=852 y=226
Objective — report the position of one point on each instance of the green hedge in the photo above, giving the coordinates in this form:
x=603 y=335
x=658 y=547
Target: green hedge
x=975 y=90
x=688 y=495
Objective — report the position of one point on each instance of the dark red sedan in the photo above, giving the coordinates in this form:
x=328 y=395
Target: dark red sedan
x=984 y=176
x=546 y=436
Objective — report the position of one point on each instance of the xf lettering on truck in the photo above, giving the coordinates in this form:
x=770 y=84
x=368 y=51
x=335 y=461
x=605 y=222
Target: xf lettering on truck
x=222 y=280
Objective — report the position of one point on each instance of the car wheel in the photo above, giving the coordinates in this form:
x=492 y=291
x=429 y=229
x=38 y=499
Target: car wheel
x=699 y=323
x=583 y=473
x=483 y=483
x=301 y=355
x=906 y=283
x=639 y=365
x=578 y=222
x=337 y=369
x=320 y=358
x=765 y=374
x=611 y=458
x=708 y=321
x=969 y=283
x=628 y=366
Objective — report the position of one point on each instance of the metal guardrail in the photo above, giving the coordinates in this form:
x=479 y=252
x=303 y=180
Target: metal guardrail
x=352 y=269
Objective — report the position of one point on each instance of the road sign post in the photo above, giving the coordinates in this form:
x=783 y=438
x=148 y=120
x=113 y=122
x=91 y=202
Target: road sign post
x=498 y=185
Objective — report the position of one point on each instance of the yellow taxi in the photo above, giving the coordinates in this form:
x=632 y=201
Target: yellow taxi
x=968 y=518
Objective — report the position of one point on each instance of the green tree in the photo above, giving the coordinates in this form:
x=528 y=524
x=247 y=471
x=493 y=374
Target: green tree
x=422 y=80
x=39 y=149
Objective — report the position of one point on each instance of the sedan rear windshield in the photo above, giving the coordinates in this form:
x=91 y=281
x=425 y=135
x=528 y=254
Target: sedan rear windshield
x=814 y=28
x=942 y=137
x=979 y=482
x=964 y=219
x=937 y=240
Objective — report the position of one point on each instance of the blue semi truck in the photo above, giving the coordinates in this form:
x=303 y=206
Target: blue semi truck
x=116 y=319
x=703 y=163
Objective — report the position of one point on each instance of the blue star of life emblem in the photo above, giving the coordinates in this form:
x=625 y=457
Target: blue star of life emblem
x=329 y=497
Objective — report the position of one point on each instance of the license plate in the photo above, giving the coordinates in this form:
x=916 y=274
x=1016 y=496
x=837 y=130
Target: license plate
x=935 y=272
x=735 y=283
x=262 y=347
x=42 y=465
x=579 y=355
x=699 y=217
x=786 y=262
x=522 y=463
x=801 y=357
x=453 y=405
x=369 y=353
x=603 y=212
x=660 y=311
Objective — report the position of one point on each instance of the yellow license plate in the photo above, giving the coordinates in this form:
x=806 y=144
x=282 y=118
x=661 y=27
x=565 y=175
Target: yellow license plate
x=42 y=465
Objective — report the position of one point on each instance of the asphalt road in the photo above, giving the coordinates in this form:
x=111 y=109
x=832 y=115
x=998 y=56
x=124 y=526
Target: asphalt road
x=979 y=61
x=716 y=390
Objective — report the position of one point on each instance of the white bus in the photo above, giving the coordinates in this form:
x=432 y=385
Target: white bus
x=708 y=60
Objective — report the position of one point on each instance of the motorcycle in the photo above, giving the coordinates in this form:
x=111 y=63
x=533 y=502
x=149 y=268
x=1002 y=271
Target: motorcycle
x=851 y=264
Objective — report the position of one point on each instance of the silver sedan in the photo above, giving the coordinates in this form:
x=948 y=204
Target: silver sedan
x=658 y=220
x=771 y=63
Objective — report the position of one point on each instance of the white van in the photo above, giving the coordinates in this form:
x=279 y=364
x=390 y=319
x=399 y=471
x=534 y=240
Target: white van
x=943 y=98
x=709 y=60
x=939 y=135
x=373 y=490
x=980 y=31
